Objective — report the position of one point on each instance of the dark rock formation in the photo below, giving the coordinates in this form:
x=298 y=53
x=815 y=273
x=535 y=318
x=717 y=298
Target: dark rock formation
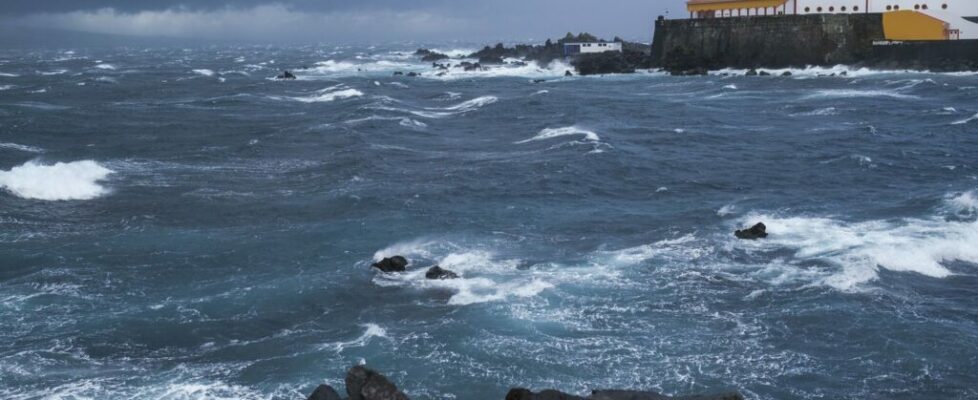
x=413 y=74
x=764 y=73
x=752 y=72
x=363 y=383
x=633 y=55
x=758 y=231
x=611 y=62
x=437 y=272
x=286 y=75
x=568 y=73
x=398 y=73
x=524 y=394
x=490 y=60
x=538 y=80
x=428 y=55
x=392 y=264
x=786 y=73
x=324 y=392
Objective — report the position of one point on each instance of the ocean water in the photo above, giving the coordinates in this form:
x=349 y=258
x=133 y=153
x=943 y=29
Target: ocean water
x=176 y=224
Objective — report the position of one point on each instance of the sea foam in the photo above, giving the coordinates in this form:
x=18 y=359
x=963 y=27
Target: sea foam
x=78 y=180
x=329 y=94
x=859 y=249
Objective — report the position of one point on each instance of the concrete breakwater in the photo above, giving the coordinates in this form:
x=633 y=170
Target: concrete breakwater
x=693 y=45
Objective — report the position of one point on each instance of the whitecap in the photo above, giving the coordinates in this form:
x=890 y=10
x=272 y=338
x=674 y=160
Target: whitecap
x=329 y=94
x=6 y=87
x=855 y=93
x=8 y=75
x=443 y=112
x=371 y=331
x=78 y=180
x=859 y=249
x=55 y=72
x=550 y=133
x=964 y=203
x=726 y=210
x=105 y=66
x=204 y=72
x=966 y=120
x=730 y=87
x=21 y=147
x=540 y=92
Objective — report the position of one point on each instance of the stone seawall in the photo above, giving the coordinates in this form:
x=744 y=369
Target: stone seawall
x=949 y=55
x=766 y=41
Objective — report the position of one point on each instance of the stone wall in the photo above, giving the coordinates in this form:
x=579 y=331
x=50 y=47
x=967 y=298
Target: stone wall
x=766 y=41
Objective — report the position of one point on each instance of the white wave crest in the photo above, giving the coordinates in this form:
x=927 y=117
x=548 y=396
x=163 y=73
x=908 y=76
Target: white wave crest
x=444 y=112
x=329 y=94
x=77 y=180
x=6 y=87
x=853 y=93
x=966 y=120
x=963 y=204
x=371 y=331
x=859 y=249
x=204 y=72
x=8 y=75
x=21 y=147
x=550 y=133
x=105 y=66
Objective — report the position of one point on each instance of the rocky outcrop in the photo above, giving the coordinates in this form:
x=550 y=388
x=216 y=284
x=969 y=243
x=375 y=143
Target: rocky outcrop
x=758 y=231
x=391 y=264
x=437 y=272
x=362 y=383
x=324 y=392
x=286 y=75
x=524 y=394
x=430 y=56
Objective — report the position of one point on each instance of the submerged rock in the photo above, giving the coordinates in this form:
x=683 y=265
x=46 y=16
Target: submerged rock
x=751 y=72
x=524 y=394
x=758 y=231
x=324 y=392
x=765 y=73
x=286 y=75
x=413 y=74
x=392 y=264
x=398 y=73
x=363 y=383
x=568 y=73
x=786 y=73
x=437 y=272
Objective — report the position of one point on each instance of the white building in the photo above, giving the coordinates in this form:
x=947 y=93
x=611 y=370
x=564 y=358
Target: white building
x=591 y=48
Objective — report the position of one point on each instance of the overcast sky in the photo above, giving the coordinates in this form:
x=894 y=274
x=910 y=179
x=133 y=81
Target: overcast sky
x=343 y=20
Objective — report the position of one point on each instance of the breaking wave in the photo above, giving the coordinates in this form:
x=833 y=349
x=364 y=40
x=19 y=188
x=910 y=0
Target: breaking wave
x=858 y=249
x=105 y=66
x=444 y=112
x=328 y=95
x=966 y=120
x=21 y=147
x=550 y=133
x=851 y=93
x=483 y=277
x=78 y=180
x=204 y=72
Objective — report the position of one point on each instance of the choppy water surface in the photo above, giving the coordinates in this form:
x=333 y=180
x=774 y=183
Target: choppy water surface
x=177 y=225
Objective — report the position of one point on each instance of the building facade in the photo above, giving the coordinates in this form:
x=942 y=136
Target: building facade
x=903 y=19
x=571 y=49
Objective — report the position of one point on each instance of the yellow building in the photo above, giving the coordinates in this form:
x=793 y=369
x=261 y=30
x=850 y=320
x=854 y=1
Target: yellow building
x=901 y=22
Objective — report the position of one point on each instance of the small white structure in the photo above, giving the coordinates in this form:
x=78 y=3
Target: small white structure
x=571 y=49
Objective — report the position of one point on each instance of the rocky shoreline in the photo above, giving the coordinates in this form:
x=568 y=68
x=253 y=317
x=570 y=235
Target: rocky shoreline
x=363 y=383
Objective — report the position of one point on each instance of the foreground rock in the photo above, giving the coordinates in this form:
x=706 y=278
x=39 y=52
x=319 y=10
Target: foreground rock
x=428 y=55
x=392 y=264
x=758 y=231
x=524 y=394
x=437 y=272
x=286 y=75
x=362 y=383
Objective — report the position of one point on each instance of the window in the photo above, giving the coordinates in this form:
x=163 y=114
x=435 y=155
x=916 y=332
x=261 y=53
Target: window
x=808 y=9
x=831 y=9
x=855 y=8
x=843 y=9
x=944 y=6
x=888 y=8
x=896 y=7
x=916 y=6
x=819 y=9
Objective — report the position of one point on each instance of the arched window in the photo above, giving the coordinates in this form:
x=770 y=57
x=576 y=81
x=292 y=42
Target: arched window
x=808 y=9
x=855 y=8
x=944 y=6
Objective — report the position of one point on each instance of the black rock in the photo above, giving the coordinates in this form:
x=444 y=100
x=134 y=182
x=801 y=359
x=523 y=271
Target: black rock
x=324 y=392
x=437 y=272
x=758 y=231
x=786 y=73
x=433 y=56
x=392 y=264
x=539 y=80
x=764 y=73
x=568 y=73
x=490 y=60
x=751 y=72
x=285 y=75
x=524 y=394
x=639 y=395
x=398 y=73
x=363 y=383
x=413 y=74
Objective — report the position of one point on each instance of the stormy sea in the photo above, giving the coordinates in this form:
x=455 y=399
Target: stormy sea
x=176 y=223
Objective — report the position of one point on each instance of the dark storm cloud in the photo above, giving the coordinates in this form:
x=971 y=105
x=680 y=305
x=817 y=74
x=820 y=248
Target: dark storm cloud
x=334 y=20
